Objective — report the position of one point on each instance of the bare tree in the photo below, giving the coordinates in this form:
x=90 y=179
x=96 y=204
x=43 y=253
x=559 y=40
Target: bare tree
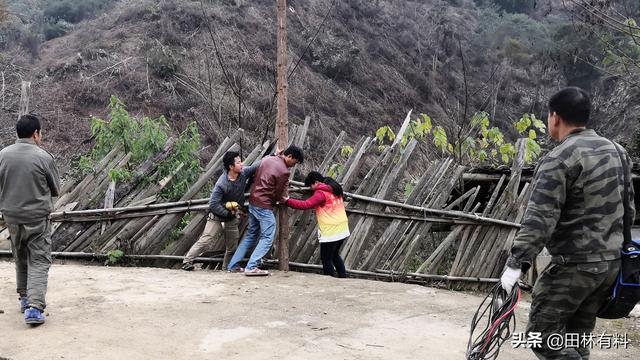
x=613 y=25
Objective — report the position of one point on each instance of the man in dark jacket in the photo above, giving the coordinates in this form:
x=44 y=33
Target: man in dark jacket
x=226 y=199
x=576 y=211
x=28 y=181
x=269 y=187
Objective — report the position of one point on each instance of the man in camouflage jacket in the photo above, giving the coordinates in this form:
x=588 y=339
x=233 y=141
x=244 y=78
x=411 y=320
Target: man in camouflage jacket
x=576 y=211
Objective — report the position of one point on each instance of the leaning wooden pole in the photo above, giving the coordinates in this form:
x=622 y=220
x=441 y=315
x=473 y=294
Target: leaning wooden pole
x=282 y=125
x=25 y=96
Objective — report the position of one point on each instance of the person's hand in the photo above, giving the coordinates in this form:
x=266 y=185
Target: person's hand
x=284 y=199
x=509 y=278
x=278 y=151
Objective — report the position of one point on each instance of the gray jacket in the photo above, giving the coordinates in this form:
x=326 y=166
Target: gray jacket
x=28 y=181
x=226 y=190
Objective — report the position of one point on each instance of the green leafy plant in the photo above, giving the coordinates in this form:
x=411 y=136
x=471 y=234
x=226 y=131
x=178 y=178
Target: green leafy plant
x=385 y=133
x=487 y=144
x=119 y=175
x=185 y=153
x=335 y=170
x=346 y=151
x=408 y=187
x=531 y=126
x=143 y=140
x=440 y=139
x=114 y=257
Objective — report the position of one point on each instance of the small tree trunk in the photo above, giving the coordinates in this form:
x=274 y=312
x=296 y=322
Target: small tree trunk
x=282 y=125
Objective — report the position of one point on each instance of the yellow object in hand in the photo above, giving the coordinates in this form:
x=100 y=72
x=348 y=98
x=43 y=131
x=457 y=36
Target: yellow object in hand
x=231 y=205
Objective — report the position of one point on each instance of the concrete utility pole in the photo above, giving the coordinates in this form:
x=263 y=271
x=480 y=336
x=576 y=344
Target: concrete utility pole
x=282 y=125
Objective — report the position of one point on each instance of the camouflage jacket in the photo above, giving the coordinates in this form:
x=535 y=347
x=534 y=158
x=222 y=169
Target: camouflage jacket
x=575 y=209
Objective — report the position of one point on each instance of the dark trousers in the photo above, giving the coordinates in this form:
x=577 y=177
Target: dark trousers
x=331 y=260
x=566 y=299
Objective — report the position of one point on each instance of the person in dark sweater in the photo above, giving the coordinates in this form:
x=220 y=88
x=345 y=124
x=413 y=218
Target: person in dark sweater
x=333 y=225
x=226 y=199
x=269 y=187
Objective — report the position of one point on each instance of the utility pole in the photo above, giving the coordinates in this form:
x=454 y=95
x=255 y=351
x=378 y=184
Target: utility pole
x=282 y=125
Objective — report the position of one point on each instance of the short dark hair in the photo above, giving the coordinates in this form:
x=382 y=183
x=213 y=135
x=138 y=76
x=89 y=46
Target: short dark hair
x=295 y=153
x=572 y=104
x=27 y=125
x=229 y=159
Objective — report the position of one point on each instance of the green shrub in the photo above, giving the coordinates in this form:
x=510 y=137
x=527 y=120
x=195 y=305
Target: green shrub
x=144 y=140
x=53 y=30
x=162 y=62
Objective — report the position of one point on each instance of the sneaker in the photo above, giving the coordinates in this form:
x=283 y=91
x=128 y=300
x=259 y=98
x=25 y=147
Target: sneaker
x=256 y=272
x=24 y=304
x=33 y=316
x=188 y=267
x=236 y=270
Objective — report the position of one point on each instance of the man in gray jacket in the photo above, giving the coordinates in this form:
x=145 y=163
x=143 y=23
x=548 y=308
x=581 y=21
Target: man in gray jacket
x=226 y=199
x=28 y=181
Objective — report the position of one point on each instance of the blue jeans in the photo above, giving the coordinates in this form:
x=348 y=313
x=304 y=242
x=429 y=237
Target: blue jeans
x=261 y=230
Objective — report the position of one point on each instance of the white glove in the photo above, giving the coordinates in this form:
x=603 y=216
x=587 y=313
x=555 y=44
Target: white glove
x=510 y=277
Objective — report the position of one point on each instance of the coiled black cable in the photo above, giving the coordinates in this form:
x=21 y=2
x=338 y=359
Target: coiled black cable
x=497 y=313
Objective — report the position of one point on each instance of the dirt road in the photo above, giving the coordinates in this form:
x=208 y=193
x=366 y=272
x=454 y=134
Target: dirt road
x=149 y=313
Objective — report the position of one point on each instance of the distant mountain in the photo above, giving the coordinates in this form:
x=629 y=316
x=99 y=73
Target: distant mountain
x=371 y=62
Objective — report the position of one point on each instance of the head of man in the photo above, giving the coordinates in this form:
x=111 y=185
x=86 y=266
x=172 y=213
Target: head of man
x=293 y=155
x=232 y=162
x=569 y=109
x=28 y=126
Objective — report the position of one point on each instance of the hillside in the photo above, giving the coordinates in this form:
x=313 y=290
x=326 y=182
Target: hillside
x=372 y=61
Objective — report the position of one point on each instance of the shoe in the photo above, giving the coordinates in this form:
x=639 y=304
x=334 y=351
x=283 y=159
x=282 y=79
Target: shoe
x=256 y=272
x=24 y=304
x=236 y=270
x=33 y=316
x=188 y=267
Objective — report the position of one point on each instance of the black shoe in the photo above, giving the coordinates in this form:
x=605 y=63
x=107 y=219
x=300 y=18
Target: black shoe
x=188 y=267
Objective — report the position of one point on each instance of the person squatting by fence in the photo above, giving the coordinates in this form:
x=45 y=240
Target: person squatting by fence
x=333 y=224
x=576 y=211
x=225 y=206
x=28 y=181
x=269 y=187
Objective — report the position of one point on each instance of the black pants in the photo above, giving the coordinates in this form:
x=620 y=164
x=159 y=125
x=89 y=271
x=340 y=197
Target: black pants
x=330 y=255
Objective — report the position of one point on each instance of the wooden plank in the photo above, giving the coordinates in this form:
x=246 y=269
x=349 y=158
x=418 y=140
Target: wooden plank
x=355 y=164
x=90 y=179
x=362 y=231
x=335 y=147
x=440 y=202
x=403 y=129
x=434 y=260
x=108 y=201
x=150 y=241
x=368 y=187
